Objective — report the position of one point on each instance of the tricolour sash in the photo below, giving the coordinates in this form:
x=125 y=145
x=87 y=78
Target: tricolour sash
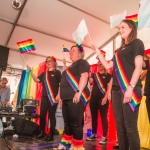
x=124 y=82
x=74 y=84
x=49 y=89
x=100 y=83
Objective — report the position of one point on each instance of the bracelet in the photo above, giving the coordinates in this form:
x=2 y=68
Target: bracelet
x=133 y=86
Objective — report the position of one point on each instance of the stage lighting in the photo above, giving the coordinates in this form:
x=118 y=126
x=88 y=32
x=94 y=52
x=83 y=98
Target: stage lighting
x=16 y=4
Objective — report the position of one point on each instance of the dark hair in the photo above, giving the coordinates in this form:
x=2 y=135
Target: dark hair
x=133 y=35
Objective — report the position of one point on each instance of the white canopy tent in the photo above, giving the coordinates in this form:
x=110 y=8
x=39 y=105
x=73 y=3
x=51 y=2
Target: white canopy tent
x=50 y=23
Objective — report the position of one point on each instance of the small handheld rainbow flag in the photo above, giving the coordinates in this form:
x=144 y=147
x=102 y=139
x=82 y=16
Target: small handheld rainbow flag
x=26 y=46
x=103 y=53
x=133 y=18
x=64 y=49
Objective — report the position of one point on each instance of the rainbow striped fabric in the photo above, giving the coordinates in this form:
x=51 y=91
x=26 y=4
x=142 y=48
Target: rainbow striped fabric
x=64 y=49
x=100 y=83
x=133 y=18
x=26 y=46
x=74 y=84
x=49 y=89
x=124 y=82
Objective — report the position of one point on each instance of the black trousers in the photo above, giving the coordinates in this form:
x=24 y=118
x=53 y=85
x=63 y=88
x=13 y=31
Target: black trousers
x=148 y=105
x=95 y=107
x=126 y=122
x=73 y=118
x=46 y=106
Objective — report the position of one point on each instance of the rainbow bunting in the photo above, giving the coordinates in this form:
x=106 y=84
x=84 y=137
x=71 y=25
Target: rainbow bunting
x=133 y=18
x=26 y=46
x=64 y=49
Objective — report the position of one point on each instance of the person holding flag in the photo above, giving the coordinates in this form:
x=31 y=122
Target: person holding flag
x=74 y=94
x=50 y=95
x=99 y=101
x=126 y=88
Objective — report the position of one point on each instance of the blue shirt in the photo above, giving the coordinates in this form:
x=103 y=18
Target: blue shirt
x=4 y=94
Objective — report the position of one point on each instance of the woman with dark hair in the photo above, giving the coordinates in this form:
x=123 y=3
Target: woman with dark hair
x=126 y=88
x=50 y=82
x=99 y=101
x=74 y=94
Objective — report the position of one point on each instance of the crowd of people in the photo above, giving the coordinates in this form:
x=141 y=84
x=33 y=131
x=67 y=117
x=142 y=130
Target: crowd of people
x=123 y=87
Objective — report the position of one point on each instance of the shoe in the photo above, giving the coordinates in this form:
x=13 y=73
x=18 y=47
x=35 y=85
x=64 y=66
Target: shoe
x=41 y=135
x=103 y=140
x=92 y=137
x=49 y=137
x=60 y=147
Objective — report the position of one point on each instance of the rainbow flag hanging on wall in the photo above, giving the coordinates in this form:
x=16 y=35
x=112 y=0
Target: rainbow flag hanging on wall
x=64 y=49
x=26 y=46
x=133 y=18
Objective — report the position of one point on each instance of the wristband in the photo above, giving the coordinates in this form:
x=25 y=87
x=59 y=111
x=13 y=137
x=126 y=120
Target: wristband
x=133 y=86
x=78 y=91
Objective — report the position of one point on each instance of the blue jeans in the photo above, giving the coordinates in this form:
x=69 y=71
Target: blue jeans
x=126 y=121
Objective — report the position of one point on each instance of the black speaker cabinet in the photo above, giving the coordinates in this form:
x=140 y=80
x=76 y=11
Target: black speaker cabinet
x=4 y=52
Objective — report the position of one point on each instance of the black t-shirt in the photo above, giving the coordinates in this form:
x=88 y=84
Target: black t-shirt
x=127 y=57
x=77 y=68
x=147 y=81
x=54 y=77
x=105 y=78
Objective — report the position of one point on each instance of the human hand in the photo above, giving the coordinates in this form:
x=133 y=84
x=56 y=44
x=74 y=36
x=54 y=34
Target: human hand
x=76 y=97
x=104 y=100
x=64 y=61
x=58 y=99
x=28 y=67
x=95 y=49
x=128 y=95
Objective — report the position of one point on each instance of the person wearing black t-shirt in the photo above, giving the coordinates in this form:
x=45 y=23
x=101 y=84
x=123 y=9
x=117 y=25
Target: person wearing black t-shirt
x=50 y=85
x=147 y=86
x=127 y=88
x=99 y=101
x=74 y=94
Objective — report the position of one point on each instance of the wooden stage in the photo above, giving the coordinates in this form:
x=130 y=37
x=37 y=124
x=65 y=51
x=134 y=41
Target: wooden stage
x=31 y=143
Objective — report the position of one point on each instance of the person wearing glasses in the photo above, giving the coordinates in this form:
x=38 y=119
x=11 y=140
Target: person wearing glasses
x=50 y=80
x=4 y=92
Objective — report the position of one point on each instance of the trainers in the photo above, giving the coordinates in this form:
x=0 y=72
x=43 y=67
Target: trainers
x=92 y=137
x=103 y=140
x=60 y=147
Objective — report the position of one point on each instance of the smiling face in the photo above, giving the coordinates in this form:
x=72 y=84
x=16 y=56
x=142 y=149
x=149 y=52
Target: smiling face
x=100 y=67
x=124 y=31
x=74 y=54
x=50 y=63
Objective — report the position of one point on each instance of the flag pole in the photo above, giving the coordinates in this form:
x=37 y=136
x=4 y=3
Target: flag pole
x=24 y=59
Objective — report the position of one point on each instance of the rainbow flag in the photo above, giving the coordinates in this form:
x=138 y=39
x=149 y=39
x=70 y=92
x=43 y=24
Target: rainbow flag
x=26 y=46
x=133 y=18
x=64 y=49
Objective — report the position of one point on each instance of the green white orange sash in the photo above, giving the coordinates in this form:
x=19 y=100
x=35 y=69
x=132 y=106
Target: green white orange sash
x=124 y=82
x=74 y=84
x=100 y=83
x=49 y=89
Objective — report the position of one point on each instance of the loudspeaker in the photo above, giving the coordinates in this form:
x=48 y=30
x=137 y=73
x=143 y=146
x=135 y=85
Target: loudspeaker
x=4 y=52
x=25 y=127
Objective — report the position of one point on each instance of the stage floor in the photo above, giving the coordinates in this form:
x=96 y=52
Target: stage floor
x=31 y=143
